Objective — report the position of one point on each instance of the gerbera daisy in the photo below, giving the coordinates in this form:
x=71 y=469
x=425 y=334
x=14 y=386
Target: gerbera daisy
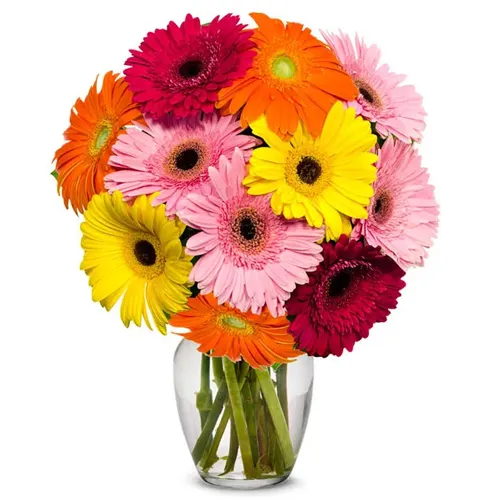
x=326 y=180
x=135 y=250
x=403 y=213
x=259 y=339
x=96 y=123
x=172 y=157
x=250 y=256
x=180 y=69
x=395 y=109
x=294 y=76
x=352 y=289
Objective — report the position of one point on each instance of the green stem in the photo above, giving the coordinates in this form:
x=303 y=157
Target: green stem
x=239 y=418
x=218 y=371
x=277 y=416
x=249 y=408
x=211 y=457
x=281 y=377
x=233 y=450
x=204 y=397
x=210 y=423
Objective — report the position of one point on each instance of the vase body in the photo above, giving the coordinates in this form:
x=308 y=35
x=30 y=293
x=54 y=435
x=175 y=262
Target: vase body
x=244 y=427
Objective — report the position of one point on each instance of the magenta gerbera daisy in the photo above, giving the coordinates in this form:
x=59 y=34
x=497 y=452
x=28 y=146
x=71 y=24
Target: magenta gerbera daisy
x=353 y=288
x=403 y=213
x=181 y=69
x=172 y=157
x=250 y=256
x=395 y=109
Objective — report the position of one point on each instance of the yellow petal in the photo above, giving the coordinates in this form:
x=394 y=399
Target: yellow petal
x=345 y=205
x=298 y=210
x=259 y=127
x=109 y=285
x=333 y=123
x=263 y=187
x=276 y=203
x=356 y=189
x=268 y=171
x=313 y=216
x=154 y=305
x=133 y=302
x=267 y=155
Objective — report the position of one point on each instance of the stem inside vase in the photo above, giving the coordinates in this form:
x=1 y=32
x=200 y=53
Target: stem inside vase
x=252 y=409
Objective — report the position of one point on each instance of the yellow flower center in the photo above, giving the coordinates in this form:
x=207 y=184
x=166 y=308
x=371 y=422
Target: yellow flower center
x=308 y=170
x=283 y=67
x=101 y=137
x=144 y=256
x=235 y=325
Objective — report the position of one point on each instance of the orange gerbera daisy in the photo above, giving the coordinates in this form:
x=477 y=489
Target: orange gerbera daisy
x=260 y=340
x=96 y=122
x=294 y=75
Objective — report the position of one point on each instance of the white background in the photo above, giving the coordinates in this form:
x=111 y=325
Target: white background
x=87 y=407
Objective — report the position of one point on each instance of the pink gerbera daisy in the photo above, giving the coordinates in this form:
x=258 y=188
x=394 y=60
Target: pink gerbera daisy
x=353 y=288
x=250 y=256
x=403 y=213
x=395 y=109
x=172 y=157
x=181 y=69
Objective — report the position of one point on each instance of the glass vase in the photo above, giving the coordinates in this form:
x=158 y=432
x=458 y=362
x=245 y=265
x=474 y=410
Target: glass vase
x=244 y=426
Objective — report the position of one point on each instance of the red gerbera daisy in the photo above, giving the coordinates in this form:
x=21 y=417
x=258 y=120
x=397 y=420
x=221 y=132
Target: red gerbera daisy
x=181 y=69
x=353 y=288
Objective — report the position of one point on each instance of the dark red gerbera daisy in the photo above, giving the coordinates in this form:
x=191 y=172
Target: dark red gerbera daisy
x=353 y=288
x=181 y=69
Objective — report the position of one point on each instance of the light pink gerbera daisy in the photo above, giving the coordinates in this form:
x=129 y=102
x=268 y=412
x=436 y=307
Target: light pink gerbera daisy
x=250 y=256
x=403 y=213
x=395 y=109
x=172 y=157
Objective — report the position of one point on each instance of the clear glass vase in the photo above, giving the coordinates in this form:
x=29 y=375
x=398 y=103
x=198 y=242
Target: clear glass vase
x=243 y=426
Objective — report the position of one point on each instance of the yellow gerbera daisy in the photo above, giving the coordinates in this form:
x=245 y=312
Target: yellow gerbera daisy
x=136 y=250
x=326 y=180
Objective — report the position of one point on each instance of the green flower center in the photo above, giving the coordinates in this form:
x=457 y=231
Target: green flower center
x=102 y=137
x=283 y=67
x=234 y=322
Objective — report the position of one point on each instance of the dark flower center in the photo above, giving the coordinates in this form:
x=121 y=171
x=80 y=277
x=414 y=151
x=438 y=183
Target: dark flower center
x=247 y=228
x=191 y=69
x=187 y=159
x=367 y=96
x=339 y=283
x=308 y=170
x=368 y=93
x=382 y=208
x=145 y=253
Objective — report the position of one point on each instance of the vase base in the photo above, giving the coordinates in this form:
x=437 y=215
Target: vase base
x=242 y=484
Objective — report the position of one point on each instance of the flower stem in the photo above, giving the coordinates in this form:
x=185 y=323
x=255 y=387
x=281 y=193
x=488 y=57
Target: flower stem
x=233 y=450
x=281 y=377
x=210 y=457
x=204 y=397
x=218 y=371
x=249 y=407
x=277 y=417
x=210 y=423
x=239 y=418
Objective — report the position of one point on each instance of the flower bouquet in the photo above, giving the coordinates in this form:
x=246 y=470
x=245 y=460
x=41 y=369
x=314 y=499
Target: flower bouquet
x=258 y=190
